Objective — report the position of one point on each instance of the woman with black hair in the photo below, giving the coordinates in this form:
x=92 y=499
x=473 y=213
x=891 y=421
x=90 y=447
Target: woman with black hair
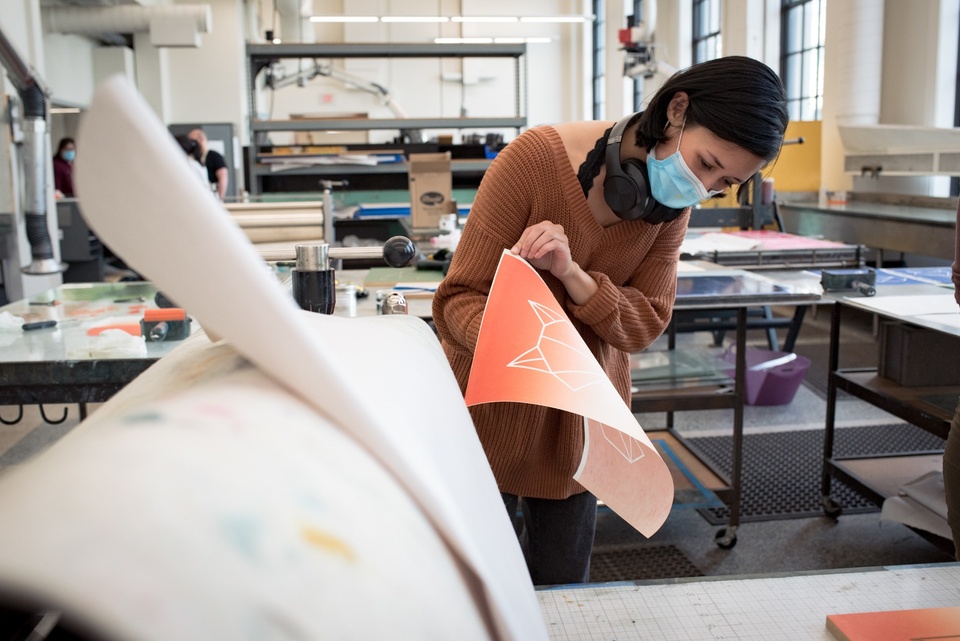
x=600 y=210
x=63 y=167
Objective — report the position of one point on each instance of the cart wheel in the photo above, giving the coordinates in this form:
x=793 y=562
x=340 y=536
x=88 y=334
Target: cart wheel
x=831 y=508
x=726 y=538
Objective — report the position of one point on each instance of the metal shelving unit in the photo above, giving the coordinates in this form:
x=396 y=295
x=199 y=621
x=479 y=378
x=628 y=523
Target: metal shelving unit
x=877 y=476
x=698 y=291
x=261 y=56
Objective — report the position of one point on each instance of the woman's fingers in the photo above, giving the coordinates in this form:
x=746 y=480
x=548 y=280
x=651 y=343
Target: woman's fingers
x=538 y=240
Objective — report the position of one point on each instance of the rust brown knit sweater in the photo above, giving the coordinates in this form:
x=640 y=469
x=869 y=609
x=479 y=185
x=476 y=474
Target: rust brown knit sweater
x=534 y=450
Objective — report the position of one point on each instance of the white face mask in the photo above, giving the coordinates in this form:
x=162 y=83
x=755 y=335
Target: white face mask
x=673 y=183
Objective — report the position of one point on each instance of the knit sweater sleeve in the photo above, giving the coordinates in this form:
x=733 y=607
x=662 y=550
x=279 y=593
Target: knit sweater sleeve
x=499 y=214
x=633 y=315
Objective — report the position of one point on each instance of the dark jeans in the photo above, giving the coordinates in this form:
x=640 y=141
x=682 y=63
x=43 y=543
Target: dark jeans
x=951 y=478
x=556 y=536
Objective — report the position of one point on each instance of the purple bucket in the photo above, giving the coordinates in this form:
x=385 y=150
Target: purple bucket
x=773 y=378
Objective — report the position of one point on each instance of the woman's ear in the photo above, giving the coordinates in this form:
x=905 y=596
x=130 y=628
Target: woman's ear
x=677 y=109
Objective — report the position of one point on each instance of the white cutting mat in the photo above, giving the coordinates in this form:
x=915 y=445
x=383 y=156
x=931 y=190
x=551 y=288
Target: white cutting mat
x=782 y=607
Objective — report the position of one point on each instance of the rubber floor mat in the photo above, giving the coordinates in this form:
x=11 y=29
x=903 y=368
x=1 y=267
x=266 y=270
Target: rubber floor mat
x=782 y=470
x=639 y=563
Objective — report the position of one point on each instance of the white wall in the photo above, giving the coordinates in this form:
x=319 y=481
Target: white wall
x=208 y=84
x=918 y=80
x=447 y=88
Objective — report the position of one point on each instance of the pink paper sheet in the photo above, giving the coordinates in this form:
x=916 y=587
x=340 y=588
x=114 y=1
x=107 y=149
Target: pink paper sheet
x=529 y=352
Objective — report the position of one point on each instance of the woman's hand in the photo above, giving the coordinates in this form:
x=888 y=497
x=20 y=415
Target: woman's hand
x=545 y=246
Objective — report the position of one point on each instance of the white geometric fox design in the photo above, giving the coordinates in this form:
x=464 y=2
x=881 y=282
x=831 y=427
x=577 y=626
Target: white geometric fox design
x=629 y=447
x=558 y=351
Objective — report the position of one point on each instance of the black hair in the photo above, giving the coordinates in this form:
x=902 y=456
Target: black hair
x=739 y=99
x=63 y=143
x=189 y=145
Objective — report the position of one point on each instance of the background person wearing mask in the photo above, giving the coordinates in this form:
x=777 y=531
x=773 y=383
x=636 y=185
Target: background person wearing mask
x=217 y=172
x=63 y=167
x=192 y=149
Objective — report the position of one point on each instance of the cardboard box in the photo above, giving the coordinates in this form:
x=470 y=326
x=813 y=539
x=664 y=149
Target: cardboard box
x=431 y=189
x=918 y=357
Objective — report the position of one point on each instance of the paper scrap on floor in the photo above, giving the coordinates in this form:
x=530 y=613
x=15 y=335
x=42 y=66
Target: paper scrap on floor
x=921 y=504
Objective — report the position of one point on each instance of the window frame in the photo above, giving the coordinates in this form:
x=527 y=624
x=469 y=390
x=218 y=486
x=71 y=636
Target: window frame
x=802 y=104
x=705 y=40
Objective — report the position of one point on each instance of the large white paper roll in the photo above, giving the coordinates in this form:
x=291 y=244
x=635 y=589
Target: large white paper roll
x=206 y=502
x=138 y=195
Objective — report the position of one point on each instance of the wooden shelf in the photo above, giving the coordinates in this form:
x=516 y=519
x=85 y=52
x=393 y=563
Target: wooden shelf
x=912 y=404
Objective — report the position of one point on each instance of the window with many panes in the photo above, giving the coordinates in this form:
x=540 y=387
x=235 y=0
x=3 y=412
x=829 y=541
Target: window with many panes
x=638 y=81
x=707 y=43
x=801 y=60
x=599 y=13
x=955 y=181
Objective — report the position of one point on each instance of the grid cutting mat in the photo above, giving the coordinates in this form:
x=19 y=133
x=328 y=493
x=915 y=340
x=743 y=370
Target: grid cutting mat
x=764 y=608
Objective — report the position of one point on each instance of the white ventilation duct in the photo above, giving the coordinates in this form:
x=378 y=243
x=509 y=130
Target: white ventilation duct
x=169 y=25
x=855 y=60
x=295 y=25
x=852 y=79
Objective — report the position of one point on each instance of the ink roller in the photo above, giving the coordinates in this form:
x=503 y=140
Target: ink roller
x=862 y=280
x=168 y=324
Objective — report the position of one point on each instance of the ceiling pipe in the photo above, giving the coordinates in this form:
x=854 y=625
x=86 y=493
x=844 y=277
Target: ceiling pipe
x=295 y=25
x=169 y=25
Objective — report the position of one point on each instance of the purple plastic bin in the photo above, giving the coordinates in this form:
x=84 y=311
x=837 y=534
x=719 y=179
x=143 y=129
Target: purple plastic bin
x=769 y=382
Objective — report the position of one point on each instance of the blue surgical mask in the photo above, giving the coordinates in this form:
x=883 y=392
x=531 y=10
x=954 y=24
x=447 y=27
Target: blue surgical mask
x=673 y=183
x=69 y=155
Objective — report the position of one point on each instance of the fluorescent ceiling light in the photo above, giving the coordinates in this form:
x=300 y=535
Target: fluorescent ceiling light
x=440 y=19
x=344 y=19
x=64 y=110
x=504 y=41
x=414 y=19
x=480 y=41
x=463 y=41
x=555 y=18
x=485 y=19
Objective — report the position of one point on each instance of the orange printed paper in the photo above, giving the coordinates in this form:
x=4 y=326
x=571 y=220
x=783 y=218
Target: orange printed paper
x=896 y=625
x=529 y=352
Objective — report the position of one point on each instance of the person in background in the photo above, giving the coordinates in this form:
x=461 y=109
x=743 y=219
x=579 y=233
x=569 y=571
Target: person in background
x=604 y=231
x=951 y=451
x=217 y=173
x=63 y=167
x=192 y=149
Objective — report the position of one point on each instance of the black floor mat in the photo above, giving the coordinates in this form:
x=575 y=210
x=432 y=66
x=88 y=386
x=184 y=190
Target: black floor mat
x=639 y=563
x=781 y=470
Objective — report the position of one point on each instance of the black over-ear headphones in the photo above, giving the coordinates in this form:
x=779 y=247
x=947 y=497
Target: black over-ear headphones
x=626 y=187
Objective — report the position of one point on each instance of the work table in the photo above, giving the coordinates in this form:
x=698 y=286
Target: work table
x=908 y=228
